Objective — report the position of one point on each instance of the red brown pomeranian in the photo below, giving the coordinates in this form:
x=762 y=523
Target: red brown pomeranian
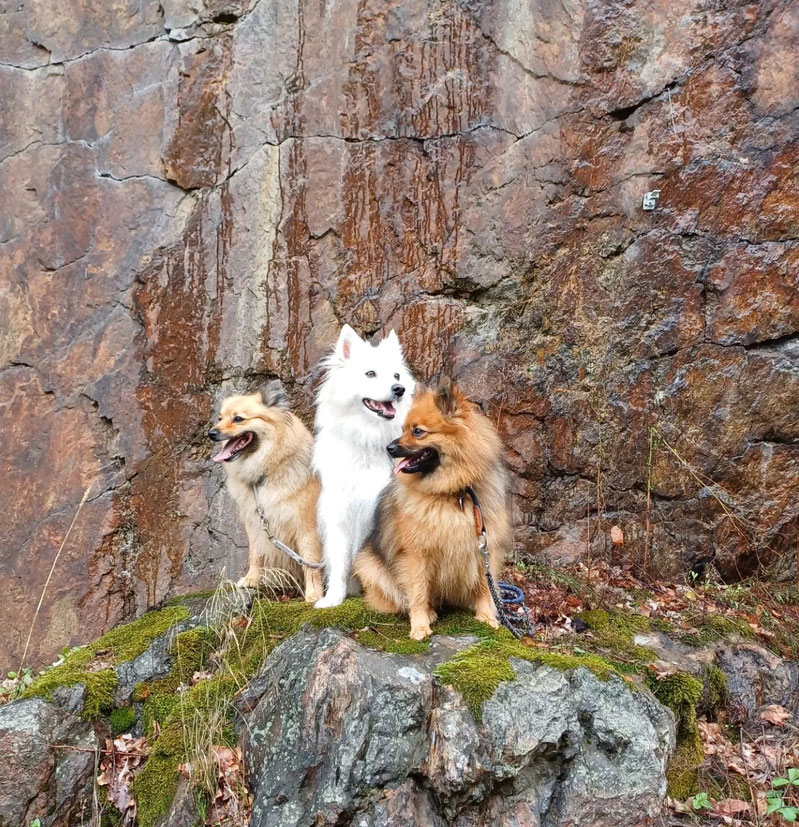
x=422 y=553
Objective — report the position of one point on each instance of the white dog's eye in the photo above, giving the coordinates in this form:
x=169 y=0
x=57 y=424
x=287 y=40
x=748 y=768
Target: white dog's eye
x=396 y=376
x=238 y=418
x=371 y=374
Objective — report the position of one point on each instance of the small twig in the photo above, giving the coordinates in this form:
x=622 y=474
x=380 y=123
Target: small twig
x=101 y=751
x=49 y=576
x=752 y=794
x=377 y=631
x=712 y=486
x=648 y=535
x=97 y=810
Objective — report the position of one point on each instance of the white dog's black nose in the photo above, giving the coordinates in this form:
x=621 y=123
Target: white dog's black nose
x=398 y=390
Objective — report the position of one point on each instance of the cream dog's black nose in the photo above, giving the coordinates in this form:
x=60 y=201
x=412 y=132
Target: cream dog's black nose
x=398 y=390
x=214 y=434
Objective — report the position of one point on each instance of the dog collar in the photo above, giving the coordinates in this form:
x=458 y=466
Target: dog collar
x=477 y=513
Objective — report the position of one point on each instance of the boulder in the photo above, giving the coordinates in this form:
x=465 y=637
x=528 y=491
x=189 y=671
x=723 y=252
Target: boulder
x=757 y=677
x=48 y=765
x=334 y=733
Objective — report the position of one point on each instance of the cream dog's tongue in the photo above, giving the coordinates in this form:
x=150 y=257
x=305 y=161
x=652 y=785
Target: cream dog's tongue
x=226 y=452
x=229 y=447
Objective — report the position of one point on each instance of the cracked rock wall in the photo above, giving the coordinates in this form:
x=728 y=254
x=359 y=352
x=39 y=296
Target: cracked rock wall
x=196 y=193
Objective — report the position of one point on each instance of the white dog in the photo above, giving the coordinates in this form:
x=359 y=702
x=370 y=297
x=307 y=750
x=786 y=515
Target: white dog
x=360 y=408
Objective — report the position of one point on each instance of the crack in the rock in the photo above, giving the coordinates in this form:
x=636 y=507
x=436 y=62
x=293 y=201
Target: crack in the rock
x=143 y=176
x=775 y=346
x=526 y=69
x=624 y=112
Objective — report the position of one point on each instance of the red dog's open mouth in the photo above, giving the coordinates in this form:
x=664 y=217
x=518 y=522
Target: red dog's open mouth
x=384 y=409
x=425 y=460
x=233 y=447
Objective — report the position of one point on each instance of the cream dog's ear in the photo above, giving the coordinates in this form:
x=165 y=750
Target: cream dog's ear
x=274 y=394
x=392 y=340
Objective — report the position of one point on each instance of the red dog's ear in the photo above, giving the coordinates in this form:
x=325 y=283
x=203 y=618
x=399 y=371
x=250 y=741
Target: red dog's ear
x=447 y=396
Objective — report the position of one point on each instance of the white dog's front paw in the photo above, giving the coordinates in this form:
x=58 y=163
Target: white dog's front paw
x=329 y=600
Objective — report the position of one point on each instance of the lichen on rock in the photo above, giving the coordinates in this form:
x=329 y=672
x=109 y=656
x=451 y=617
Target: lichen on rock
x=94 y=665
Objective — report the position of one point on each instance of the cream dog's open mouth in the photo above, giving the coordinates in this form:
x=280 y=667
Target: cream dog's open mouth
x=234 y=446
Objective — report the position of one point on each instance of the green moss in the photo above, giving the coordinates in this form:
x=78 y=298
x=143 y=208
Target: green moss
x=681 y=693
x=712 y=627
x=100 y=683
x=391 y=640
x=189 y=652
x=390 y=633
x=715 y=694
x=155 y=787
x=128 y=641
x=614 y=633
x=200 y=716
x=156 y=709
x=682 y=775
x=476 y=672
x=122 y=719
x=94 y=665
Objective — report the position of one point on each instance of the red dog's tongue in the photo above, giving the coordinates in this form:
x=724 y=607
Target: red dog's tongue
x=401 y=464
x=230 y=447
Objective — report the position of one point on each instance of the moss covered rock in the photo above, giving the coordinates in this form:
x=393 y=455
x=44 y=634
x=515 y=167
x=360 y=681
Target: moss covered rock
x=363 y=722
x=109 y=661
x=192 y=674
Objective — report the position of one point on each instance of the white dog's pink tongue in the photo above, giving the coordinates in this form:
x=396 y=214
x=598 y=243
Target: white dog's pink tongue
x=405 y=461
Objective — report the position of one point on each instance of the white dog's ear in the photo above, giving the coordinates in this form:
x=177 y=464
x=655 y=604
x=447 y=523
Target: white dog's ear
x=348 y=340
x=393 y=340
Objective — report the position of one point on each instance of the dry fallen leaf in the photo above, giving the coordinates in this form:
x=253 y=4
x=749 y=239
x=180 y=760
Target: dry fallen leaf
x=731 y=807
x=774 y=714
x=617 y=536
x=677 y=805
x=662 y=669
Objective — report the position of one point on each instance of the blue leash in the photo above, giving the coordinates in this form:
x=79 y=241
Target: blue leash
x=516 y=621
x=510 y=594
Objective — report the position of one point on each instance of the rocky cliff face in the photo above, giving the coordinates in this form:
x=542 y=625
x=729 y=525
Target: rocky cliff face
x=196 y=194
